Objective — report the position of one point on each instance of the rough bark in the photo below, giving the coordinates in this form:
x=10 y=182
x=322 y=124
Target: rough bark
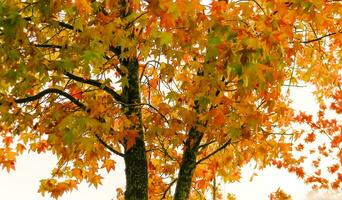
x=188 y=165
x=135 y=157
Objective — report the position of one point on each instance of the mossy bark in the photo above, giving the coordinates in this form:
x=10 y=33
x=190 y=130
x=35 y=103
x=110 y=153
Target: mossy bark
x=188 y=165
x=135 y=156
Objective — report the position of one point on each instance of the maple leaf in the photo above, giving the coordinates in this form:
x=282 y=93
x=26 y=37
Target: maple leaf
x=109 y=165
x=310 y=138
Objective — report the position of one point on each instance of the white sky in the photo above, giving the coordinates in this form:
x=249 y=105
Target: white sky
x=30 y=168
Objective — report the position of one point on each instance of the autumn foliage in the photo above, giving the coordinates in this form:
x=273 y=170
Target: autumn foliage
x=186 y=90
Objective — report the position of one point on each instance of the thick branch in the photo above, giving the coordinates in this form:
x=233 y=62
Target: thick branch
x=214 y=152
x=73 y=100
x=95 y=83
x=51 y=91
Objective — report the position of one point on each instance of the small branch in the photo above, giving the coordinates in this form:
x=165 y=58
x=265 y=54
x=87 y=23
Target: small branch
x=298 y=86
x=200 y=193
x=62 y=24
x=109 y=147
x=168 y=188
x=67 y=26
x=214 y=152
x=49 y=46
x=319 y=38
x=131 y=22
x=164 y=150
x=206 y=144
x=95 y=83
x=259 y=6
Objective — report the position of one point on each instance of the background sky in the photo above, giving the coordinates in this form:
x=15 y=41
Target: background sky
x=23 y=183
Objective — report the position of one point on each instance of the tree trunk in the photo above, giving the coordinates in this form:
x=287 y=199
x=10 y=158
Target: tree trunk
x=188 y=165
x=135 y=157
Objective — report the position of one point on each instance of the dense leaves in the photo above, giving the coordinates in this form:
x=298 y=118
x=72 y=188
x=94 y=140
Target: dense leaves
x=213 y=82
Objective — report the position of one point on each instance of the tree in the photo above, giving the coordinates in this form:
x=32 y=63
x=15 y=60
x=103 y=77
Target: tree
x=169 y=86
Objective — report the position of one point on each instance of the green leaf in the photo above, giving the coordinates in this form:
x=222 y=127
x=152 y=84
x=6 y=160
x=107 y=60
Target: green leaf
x=124 y=81
x=213 y=40
x=78 y=25
x=64 y=65
x=235 y=133
x=90 y=55
x=237 y=69
x=211 y=53
x=68 y=136
x=203 y=102
x=165 y=38
x=172 y=96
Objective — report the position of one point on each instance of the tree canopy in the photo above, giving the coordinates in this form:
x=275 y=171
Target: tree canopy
x=184 y=91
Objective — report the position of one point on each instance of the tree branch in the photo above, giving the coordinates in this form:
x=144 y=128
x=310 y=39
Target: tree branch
x=168 y=188
x=131 y=22
x=319 y=38
x=49 y=46
x=62 y=24
x=259 y=6
x=51 y=91
x=206 y=144
x=109 y=147
x=214 y=152
x=73 y=100
x=95 y=83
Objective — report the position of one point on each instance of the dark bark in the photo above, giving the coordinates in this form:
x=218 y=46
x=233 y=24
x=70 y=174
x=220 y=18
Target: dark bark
x=188 y=165
x=135 y=157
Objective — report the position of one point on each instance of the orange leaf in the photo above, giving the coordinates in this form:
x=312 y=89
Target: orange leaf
x=154 y=82
x=109 y=164
x=84 y=6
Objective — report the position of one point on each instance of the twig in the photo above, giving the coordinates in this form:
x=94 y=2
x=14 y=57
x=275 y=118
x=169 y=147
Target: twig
x=319 y=38
x=214 y=152
x=168 y=188
x=131 y=22
x=259 y=6
x=109 y=147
